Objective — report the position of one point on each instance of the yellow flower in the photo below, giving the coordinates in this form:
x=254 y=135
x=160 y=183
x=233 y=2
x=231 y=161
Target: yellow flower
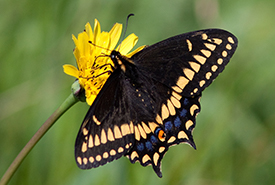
x=93 y=63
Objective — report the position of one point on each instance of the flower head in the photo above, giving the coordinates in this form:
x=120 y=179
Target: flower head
x=92 y=48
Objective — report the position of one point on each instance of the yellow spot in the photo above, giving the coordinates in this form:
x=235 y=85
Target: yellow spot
x=79 y=160
x=110 y=135
x=91 y=143
x=95 y=120
x=122 y=67
x=216 y=40
x=202 y=82
x=137 y=134
x=228 y=46
x=105 y=155
x=85 y=160
x=208 y=75
x=97 y=141
x=134 y=155
x=176 y=95
x=142 y=132
x=125 y=129
x=146 y=128
x=188 y=73
x=204 y=36
x=156 y=158
x=145 y=158
x=195 y=66
x=127 y=146
x=85 y=131
x=85 y=122
x=98 y=157
x=161 y=149
x=188 y=124
x=214 y=68
x=230 y=39
x=200 y=59
x=158 y=119
x=86 y=137
x=153 y=126
x=177 y=89
x=91 y=159
x=182 y=135
x=120 y=150
x=220 y=61
x=171 y=139
x=224 y=53
x=206 y=53
x=212 y=47
x=195 y=90
x=189 y=44
x=164 y=112
x=84 y=147
x=182 y=82
x=175 y=102
x=112 y=152
x=132 y=127
x=171 y=108
x=103 y=137
x=193 y=108
x=117 y=132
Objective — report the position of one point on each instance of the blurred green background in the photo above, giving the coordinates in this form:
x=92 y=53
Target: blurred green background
x=235 y=129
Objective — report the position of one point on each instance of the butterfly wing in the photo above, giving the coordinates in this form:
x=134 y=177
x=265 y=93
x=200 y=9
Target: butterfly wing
x=189 y=62
x=181 y=67
x=105 y=133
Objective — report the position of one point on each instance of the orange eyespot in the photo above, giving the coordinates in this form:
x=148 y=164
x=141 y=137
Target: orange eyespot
x=161 y=135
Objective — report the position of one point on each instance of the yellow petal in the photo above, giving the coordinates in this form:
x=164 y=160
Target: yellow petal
x=75 y=40
x=115 y=35
x=103 y=40
x=97 y=30
x=135 y=51
x=89 y=32
x=128 y=44
x=83 y=44
x=71 y=70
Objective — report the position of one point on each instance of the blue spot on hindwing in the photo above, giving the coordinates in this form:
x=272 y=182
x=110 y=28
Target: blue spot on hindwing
x=149 y=145
x=153 y=139
x=168 y=126
x=185 y=101
x=183 y=112
x=157 y=131
x=140 y=146
x=177 y=122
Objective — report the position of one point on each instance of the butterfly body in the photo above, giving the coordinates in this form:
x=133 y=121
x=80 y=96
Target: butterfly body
x=151 y=100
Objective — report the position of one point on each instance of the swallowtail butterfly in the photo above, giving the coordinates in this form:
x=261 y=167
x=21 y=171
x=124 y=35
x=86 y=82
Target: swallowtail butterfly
x=151 y=100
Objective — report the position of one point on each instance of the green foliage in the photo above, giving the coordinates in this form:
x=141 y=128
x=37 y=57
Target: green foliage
x=235 y=129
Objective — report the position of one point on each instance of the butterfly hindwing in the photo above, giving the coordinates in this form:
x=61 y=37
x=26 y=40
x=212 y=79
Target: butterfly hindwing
x=175 y=129
x=151 y=100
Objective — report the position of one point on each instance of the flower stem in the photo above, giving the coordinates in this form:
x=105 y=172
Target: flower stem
x=70 y=101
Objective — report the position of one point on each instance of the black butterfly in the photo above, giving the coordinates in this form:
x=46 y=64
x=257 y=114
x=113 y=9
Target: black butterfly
x=151 y=100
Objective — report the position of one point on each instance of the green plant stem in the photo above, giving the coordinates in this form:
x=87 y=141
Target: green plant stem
x=70 y=101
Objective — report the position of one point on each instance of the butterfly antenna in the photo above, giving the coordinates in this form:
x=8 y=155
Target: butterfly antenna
x=98 y=46
x=124 y=33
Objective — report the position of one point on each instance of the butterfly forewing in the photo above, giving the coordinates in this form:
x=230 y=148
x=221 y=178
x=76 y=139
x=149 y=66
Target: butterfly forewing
x=189 y=62
x=151 y=101
x=105 y=133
